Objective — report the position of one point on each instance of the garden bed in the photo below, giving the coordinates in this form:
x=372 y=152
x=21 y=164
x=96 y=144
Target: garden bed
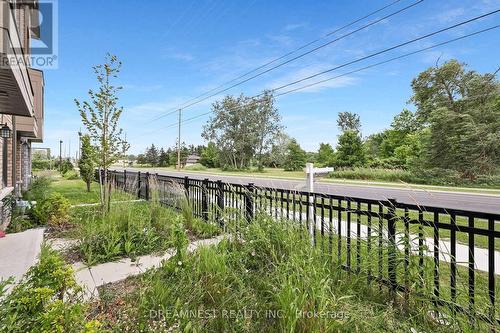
x=270 y=280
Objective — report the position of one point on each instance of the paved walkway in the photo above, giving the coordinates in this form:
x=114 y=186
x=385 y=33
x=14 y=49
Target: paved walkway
x=112 y=202
x=90 y=278
x=18 y=252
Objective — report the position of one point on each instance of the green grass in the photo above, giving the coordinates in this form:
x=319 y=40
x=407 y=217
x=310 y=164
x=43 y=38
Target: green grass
x=129 y=230
x=428 y=232
x=75 y=190
x=269 y=280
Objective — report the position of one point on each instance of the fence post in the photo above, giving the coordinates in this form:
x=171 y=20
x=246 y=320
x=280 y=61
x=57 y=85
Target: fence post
x=138 y=184
x=249 y=213
x=147 y=185
x=186 y=187
x=391 y=235
x=204 y=199
x=220 y=202
x=125 y=180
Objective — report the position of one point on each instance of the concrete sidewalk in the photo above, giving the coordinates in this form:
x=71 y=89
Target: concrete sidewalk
x=18 y=252
x=90 y=278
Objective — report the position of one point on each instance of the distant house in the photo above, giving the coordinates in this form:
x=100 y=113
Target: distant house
x=192 y=160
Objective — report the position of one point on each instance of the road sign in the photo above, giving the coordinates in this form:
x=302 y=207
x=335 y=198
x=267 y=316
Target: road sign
x=318 y=171
x=311 y=171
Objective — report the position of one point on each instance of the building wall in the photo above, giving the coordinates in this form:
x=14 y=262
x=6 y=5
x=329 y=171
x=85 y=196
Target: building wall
x=19 y=175
x=25 y=177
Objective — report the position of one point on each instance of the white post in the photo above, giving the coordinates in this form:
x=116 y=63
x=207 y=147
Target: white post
x=310 y=189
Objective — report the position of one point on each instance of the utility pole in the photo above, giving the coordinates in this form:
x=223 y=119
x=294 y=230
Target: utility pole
x=179 y=143
x=60 y=154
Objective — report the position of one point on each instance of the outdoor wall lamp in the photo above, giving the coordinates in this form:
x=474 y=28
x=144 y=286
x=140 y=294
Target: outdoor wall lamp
x=5 y=131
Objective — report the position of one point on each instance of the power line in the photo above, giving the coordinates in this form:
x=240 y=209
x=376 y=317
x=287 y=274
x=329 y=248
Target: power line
x=390 y=48
x=356 y=70
x=195 y=100
x=295 y=50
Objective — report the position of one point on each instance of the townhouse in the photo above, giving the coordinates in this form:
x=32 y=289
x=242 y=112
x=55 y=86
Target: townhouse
x=21 y=100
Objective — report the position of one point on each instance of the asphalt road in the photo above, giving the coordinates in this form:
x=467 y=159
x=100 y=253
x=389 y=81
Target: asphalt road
x=452 y=200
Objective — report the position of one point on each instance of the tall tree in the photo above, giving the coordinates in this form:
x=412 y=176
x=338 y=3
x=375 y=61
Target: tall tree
x=152 y=155
x=101 y=118
x=406 y=122
x=242 y=128
x=295 y=158
x=163 y=158
x=462 y=111
x=210 y=156
x=279 y=149
x=268 y=121
x=325 y=154
x=350 y=152
x=349 y=121
x=87 y=161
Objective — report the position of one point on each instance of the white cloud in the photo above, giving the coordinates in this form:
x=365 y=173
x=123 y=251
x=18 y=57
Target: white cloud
x=294 y=26
x=450 y=15
x=181 y=56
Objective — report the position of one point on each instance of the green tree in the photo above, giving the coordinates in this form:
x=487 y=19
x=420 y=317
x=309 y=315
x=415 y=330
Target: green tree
x=243 y=128
x=406 y=122
x=163 y=158
x=349 y=121
x=350 y=152
x=87 y=162
x=101 y=118
x=462 y=111
x=141 y=159
x=278 y=152
x=326 y=155
x=210 y=156
x=295 y=158
x=152 y=155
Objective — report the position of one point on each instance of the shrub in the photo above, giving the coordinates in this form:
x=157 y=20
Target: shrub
x=20 y=223
x=196 y=167
x=41 y=164
x=39 y=189
x=53 y=210
x=66 y=166
x=46 y=300
x=391 y=175
x=71 y=175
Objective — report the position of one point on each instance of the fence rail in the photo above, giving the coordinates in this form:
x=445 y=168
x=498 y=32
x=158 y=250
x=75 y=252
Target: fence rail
x=447 y=254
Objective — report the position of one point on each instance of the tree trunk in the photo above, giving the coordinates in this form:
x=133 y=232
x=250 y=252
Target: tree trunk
x=88 y=185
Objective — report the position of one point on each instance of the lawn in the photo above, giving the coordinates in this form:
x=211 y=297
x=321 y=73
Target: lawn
x=75 y=190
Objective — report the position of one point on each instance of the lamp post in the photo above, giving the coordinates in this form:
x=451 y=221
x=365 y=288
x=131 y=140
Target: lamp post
x=60 y=154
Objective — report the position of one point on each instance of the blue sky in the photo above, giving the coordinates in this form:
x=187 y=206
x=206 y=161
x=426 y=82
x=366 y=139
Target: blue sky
x=175 y=50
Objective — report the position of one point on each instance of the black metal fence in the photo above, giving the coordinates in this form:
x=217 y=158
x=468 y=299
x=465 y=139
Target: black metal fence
x=445 y=254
